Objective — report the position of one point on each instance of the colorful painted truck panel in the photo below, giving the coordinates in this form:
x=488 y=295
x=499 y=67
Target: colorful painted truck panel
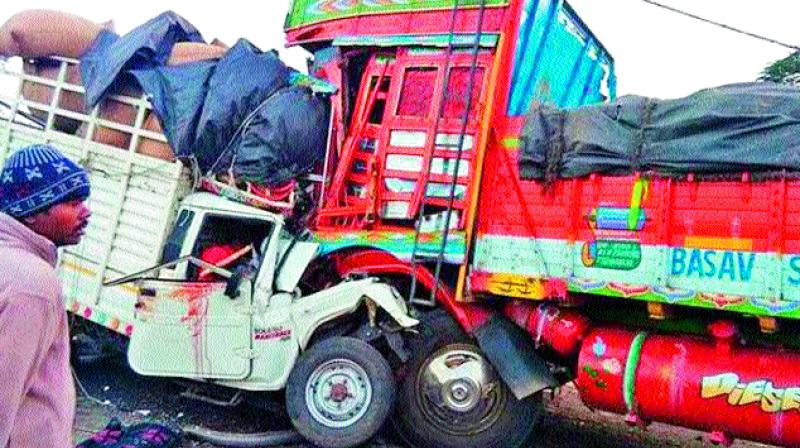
x=556 y=58
x=331 y=17
x=732 y=245
x=712 y=223
x=386 y=131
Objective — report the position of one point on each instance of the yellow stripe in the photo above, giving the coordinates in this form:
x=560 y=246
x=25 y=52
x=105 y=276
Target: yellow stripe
x=517 y=286
x=78 y=268
x=129 y=288
x=482 y=144
x=709 y=242
x=75 y=267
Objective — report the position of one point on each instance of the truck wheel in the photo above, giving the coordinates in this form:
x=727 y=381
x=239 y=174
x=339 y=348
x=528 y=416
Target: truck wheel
x=340 y=392
x=451 y=396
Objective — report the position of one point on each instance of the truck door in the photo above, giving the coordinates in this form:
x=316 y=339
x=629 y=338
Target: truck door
x=192 y=329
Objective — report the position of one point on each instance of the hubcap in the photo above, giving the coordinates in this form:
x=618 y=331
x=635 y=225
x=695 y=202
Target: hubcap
x=461 y=395
x=457 y=391
x=338 y=393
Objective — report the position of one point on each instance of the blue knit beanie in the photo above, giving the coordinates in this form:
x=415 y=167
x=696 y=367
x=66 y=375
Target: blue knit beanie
x=37 y=177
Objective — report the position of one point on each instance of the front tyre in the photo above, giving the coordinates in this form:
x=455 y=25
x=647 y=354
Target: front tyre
x=340 y=392
x=451 y=397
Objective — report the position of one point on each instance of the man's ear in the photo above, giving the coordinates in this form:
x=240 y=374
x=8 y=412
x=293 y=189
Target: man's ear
x=29 y=220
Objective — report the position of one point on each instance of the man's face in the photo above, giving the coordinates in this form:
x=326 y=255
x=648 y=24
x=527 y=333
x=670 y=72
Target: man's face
x=63 y=224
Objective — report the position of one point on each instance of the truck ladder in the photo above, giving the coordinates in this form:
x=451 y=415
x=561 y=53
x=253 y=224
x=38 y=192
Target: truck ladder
x=469 y=97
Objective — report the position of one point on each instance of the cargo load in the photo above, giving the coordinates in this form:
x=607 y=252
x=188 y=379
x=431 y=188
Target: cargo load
x=727 y=130
x=240 y=111
x=235 y=111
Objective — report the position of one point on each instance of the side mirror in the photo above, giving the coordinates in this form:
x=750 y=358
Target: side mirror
x=232 y=286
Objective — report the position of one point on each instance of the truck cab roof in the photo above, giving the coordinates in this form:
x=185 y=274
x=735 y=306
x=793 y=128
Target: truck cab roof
x=208 y=201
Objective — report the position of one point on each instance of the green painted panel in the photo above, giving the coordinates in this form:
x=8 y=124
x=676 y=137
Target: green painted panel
x=400 y=244
x=436 y=40
x=755 y=283
x=511 y=143
x=305 y=12
x=614 y=254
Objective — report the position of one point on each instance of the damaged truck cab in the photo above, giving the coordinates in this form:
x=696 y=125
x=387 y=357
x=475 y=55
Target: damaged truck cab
x=250 y=327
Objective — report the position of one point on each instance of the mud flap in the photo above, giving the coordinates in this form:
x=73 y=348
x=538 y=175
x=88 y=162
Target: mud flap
x=511 y=352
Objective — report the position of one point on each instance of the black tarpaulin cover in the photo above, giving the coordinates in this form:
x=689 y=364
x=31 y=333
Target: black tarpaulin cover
x=146 y=46
x=284 y=137
x=749 y=127
x=247 y=112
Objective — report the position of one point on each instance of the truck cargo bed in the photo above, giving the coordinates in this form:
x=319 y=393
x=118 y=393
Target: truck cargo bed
x=133 y=202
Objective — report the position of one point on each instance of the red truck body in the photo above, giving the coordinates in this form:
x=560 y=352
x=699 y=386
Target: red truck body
x=665 y=243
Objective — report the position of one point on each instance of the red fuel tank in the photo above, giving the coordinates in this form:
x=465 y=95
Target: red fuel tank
x=708 y=384
x=561 y=330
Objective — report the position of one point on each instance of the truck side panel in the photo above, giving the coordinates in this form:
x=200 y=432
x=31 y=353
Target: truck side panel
x=731 y=245
x=133 y=202
x=131 y=215
x=557 y=60
x=525 y=234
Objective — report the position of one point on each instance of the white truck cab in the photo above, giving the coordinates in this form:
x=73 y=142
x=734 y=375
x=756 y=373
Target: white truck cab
x=242 y=330
x=249 y=327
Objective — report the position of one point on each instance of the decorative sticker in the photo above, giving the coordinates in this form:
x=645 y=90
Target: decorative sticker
x=629 y=290
x=770 y=399
x=599 y=347
x=514 y=285
x=271 y=333
x=595 y=376
x=615 y=244
x=623 y=255
x=722 y=300
x=674 y=295
x=612 y=366
x=617 y=218
x=599 y=370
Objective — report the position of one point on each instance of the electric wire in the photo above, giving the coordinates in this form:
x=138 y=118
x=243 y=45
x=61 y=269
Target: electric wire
x=722 y=25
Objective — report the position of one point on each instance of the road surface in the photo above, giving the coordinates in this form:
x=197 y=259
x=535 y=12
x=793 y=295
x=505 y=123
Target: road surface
x=111 y=389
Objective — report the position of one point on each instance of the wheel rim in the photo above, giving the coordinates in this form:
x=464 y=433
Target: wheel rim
x=457 y=391
x=338 y=393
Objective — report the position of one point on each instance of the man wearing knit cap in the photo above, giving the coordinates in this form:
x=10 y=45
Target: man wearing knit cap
x=42 y=196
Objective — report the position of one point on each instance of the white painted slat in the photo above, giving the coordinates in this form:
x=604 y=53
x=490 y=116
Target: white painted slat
x=134 y=240
x=134 y=199
x=121 y=260
x=147 y=227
